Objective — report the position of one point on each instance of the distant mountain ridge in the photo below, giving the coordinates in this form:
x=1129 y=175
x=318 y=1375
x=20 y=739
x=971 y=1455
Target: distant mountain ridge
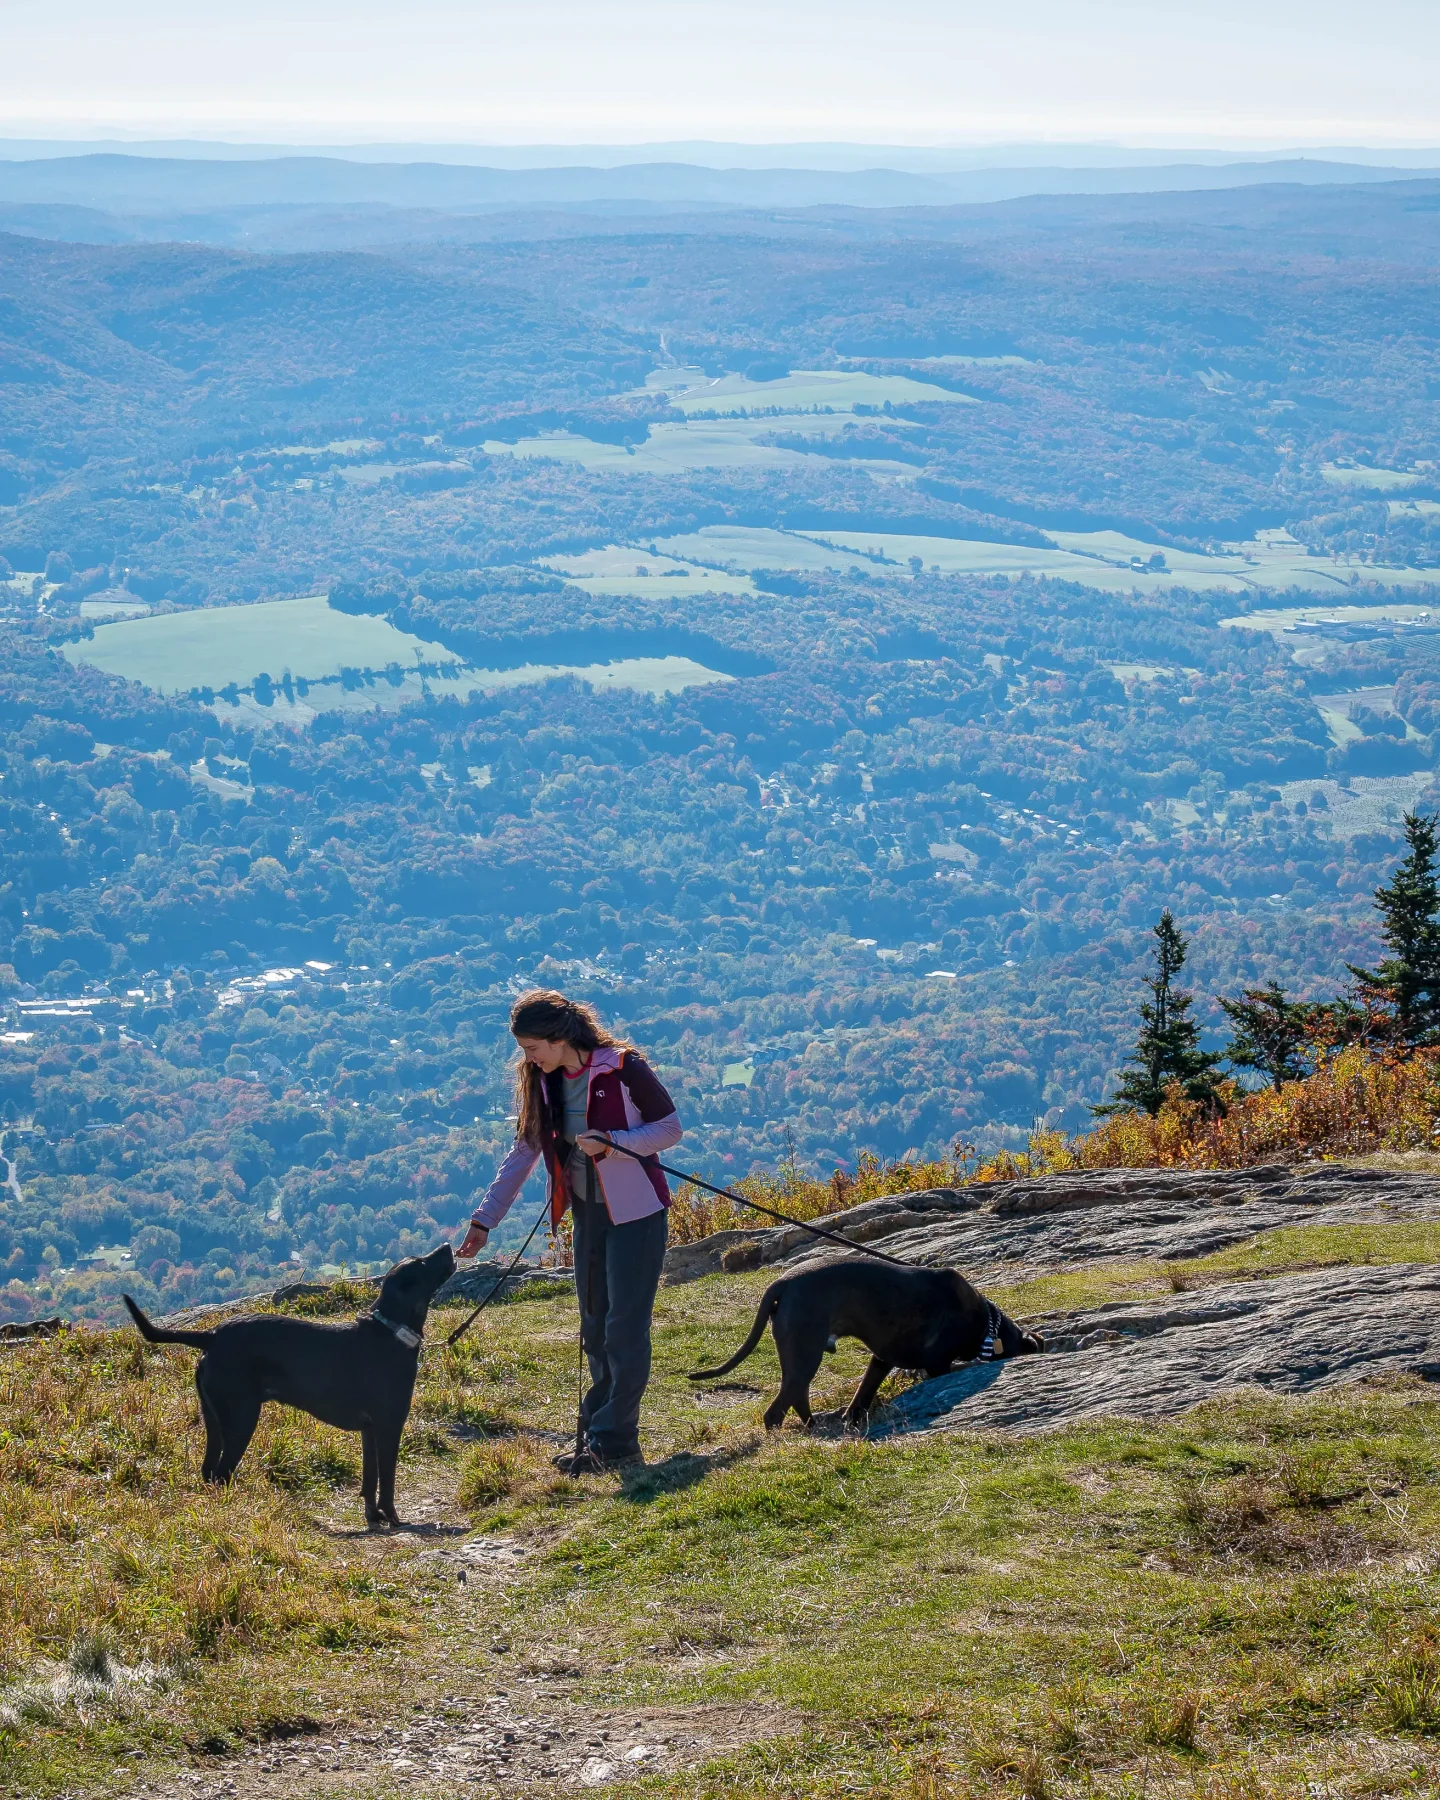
x=144 y=183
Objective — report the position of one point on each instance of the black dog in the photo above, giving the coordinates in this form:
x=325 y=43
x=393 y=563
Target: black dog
x=359 y=1376
x=907 y=1318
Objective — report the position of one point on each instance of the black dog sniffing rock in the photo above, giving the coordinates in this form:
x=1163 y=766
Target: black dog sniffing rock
x=906 y=1318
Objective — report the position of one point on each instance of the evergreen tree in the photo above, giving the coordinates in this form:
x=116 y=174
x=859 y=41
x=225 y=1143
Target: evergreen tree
x=1168 y=1048
x=1403 y=993
x=1271 y=1033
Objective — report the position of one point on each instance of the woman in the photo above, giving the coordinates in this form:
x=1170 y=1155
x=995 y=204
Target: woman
x=579 y=1091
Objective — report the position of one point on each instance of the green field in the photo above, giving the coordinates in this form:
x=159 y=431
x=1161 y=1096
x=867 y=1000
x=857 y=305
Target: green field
x=306 y=637
x=1101 y=559
x=213 y=646
x=1277 y=618
x=621 y=569
x=669 y=449
x=96 y=610
x=640 y=674
x=1376 y=480
x=672 y=448
x=803 y=389
x=755 y=547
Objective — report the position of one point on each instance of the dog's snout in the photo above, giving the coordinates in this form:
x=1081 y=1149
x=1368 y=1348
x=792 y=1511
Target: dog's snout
x=438 y=1266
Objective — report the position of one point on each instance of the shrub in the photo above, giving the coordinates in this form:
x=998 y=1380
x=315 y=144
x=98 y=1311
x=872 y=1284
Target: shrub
x=1354 y=1104
x=694 y=1214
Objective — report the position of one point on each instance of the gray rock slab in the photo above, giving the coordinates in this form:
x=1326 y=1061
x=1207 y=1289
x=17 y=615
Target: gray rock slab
x=1291 y=1334
x=1010 y=1230
x=475 y=1281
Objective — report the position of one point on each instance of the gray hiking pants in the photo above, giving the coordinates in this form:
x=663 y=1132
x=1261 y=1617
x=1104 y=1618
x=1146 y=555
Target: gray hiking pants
x=617 y=1270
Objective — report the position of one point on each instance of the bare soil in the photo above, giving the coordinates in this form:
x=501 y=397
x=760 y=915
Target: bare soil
x=525 y=1738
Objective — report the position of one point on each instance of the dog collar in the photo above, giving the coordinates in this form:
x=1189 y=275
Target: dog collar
x=994 y=1344
x=410 y=1339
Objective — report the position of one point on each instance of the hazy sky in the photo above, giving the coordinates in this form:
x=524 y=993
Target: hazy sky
x=1249 y=72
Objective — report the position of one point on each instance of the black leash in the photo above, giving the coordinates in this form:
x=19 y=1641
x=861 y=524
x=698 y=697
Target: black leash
x=818 y=1231
x=460 y=1330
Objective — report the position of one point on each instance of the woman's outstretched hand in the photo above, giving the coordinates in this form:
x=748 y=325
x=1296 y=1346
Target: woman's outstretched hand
x=475 y=1240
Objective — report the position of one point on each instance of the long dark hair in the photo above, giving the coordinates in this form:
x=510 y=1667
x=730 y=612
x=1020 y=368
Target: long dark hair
x=542 y=1013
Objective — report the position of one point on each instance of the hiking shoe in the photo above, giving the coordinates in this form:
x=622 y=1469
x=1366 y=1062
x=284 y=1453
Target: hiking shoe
x=591 y=1461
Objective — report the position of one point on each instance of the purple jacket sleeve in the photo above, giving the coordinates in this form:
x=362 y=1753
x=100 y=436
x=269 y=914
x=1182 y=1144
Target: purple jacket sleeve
x=660 y=1125
x=510 y=1177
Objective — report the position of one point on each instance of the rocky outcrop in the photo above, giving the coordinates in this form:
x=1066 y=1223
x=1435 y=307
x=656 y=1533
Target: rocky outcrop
x=1008 y=1230
x=861 y=1224
x=475 y=1281
x=1290 y=1335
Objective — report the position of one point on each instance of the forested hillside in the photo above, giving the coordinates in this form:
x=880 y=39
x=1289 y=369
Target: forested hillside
x=875 y=874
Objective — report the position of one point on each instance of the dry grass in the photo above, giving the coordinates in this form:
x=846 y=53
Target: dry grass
x=955 y=1617
x=115 y=1556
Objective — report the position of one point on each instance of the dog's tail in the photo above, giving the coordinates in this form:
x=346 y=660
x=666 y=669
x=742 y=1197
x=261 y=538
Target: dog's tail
x=768 y=1302
x=158 y=1334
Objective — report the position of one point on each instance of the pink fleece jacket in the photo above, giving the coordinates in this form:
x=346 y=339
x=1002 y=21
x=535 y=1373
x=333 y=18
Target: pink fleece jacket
x=627 y=1104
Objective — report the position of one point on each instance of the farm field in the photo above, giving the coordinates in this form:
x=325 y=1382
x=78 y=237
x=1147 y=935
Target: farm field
x=623 y=570
x=1278 y=619
x=212 y=646
x=803 y=390
x=379 y=692
x=754 y=547
x=669 y=449
x=1369 y=803
x=640 y=674
x=972 y=556
x=1378 y=481
x=626 y=562
x=1100 y=559
x=672 y=448
x=308 y=638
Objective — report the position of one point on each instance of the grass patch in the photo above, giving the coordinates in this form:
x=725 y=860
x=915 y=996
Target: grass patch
x=1013 y=1616
x=1237 y=1602
x=1287 y=1248
x=135 y=1600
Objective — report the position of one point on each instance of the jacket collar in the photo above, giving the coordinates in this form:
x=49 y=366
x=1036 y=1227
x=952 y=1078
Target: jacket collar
x=603 y=1059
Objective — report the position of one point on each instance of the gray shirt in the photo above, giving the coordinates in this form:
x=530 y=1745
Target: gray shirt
x=575 y=1092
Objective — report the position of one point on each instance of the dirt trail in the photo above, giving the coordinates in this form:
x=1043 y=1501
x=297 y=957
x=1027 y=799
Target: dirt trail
x=521 y=1738
x=513 y=1729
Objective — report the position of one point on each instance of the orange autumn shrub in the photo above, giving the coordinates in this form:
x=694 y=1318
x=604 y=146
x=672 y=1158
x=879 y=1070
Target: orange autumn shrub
x=1355 y=1103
